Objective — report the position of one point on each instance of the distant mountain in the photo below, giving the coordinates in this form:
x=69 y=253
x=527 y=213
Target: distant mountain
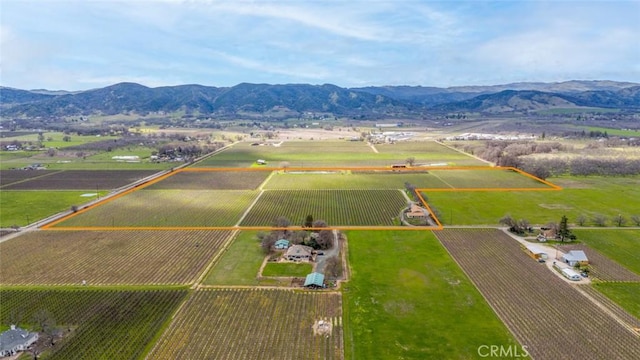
x=294 y=99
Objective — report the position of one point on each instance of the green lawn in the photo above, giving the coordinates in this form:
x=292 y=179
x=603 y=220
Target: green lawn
x=624 y=294
x=407 y=299
x=586 y=196
x=240 y=264
x=287 y=269
x=23 y=207
x=621 y=245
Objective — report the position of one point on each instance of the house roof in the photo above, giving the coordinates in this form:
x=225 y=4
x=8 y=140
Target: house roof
x=535 y=250
x=314 y=278
x=299 y=250
x=11 y=338
x=282 y=242
x=576 y=255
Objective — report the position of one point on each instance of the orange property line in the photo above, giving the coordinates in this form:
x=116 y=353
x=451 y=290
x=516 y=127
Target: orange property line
x=439 y=226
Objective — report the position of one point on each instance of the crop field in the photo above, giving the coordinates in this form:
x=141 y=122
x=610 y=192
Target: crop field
x=108 y=257
x=253 y=324
x=539 y=207
x=12 y=176
x=602 y=267
x=619 y=298
x=239 y=264
x=103 y=324
x=167 y=208
x=487 y=179
x=407 y=299
x=342 y=180
x=426 y=153
x=620 y=245
x=543 y=311
x=336 y=207
x=212 y=180
x=80 y=180
x=24 y=207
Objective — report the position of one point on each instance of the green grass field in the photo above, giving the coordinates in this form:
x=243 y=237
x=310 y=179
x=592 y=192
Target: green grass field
x=588 y=196
x=23 y=207
x=287 y=269
x=240 y=263
x=624 y=294
x=350 y=180
x=622 y=245
x=407 y=299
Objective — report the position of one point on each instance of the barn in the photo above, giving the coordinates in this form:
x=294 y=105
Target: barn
x=575 y=258
x=536 y=252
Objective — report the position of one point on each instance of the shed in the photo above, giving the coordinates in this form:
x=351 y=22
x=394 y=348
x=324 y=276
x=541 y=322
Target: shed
x=575 y=257
x=261 y=162
x=315 y=280
x=536 y=252
x=281 y=244
x=571 y=274
x=15 y=340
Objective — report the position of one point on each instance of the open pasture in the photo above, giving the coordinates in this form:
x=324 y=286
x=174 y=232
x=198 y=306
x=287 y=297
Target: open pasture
x=625 y=295
x=212 y=180
x=166 y=208
x=407 y=299
x=489 y=178
x=538 y=207
x=239 y=264
x=108 y=257
x=543 y=311
x=347 y=179
x=336 y=207
x=620 y=245
x=80 y=180
x=253 y=324
x=100 y=324
x=426 y=153
x=24 y=207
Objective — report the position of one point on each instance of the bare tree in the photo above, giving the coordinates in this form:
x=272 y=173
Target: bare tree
x=619 y=220
x=581 y=220
x=599 y=220
x=410 y=161
x=325 y=239
x=320 y=224
x=636 y=219
x=333 y=267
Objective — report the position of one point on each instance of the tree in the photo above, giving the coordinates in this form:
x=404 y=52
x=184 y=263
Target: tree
x=563 y=229
x=325 y=239
x=636 y=219
x=284 y=165
x=410 y=161
x=333 y=267
x=599 y=220
x=66 y=138
x=320 y=224
x=308 y=222
x=581 y=220
x=619 y=220
x=267 y=240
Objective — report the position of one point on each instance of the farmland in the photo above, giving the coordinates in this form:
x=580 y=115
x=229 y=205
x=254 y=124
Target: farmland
x=336 y=207
x=346 y=179
x=286 y=269
x=602 y=267
x=108 y=257
x=167 y=208
x=253 y=324
x=580 y=196
x=212 y=180
x=407 y=299
x=619 y=245
x=75 y=179
x=102 y=324
x=239 y=264
x=532 y=301
x=624 y=294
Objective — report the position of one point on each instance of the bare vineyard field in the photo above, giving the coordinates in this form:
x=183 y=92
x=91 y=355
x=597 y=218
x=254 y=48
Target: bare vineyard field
x=81 y=180
x=544 y=313
x=601 y=266
x=12 y=176
x=212 y=180
x=599 y=292
x=167 y=208
x=341 y=180
x=253 y=324
x=108 y=257
x=336 y=207
x=106 y=324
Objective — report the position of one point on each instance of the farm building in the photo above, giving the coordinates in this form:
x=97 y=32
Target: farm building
x=536 y=252
x=416 y=212
x=281 y=244
x=571 y=274
x=314 y=280
x=15 y=340
x=298 y=253
x=575 y=257
x=261 y=162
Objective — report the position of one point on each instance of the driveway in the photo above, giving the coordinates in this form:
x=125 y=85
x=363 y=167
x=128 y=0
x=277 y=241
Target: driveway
x=322 y=259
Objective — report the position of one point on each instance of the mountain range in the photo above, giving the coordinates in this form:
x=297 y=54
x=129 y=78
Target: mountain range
x=252 y=99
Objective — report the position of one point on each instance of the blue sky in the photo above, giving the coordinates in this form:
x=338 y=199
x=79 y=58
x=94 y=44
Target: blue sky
x=84 y=44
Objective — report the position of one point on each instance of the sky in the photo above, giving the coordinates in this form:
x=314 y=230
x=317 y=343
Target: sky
x=86 y=44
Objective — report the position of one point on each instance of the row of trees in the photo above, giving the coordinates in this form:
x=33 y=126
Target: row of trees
x=561 y=229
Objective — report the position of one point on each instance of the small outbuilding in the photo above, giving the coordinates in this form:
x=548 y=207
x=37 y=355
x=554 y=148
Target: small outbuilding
x=571 y=274
x=575 y=258
x=15 y=340
x=536 y=252
x=261 y=162
x=314 y=280
x=281 y=244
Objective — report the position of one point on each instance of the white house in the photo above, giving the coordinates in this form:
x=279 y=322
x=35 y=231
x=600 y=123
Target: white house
x=575 y=257
x=15 y=340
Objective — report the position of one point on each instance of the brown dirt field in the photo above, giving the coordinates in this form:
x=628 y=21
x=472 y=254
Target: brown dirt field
x=82 y=180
